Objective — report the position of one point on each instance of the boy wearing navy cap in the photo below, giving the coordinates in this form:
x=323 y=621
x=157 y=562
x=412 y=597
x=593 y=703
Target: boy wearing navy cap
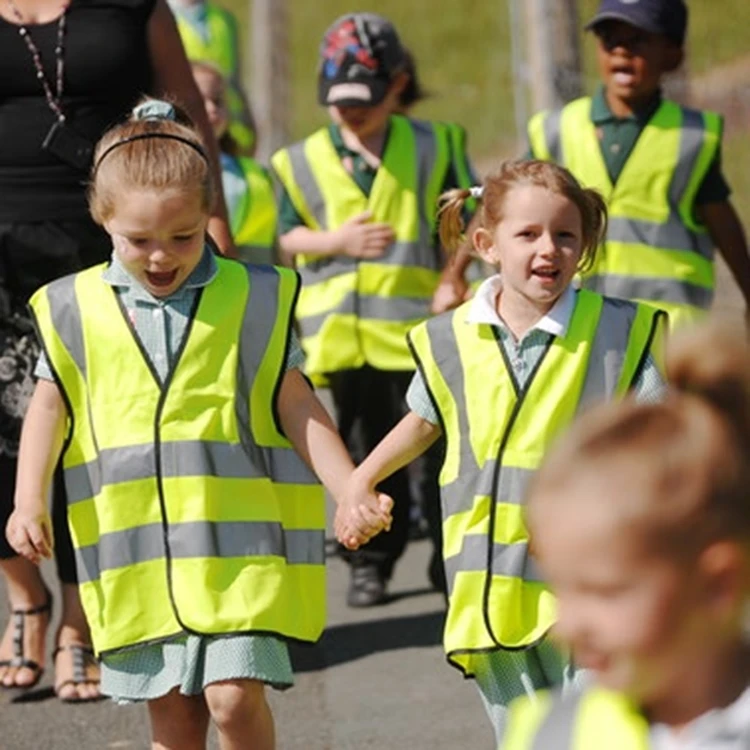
x=657 y=164
x=358 y=212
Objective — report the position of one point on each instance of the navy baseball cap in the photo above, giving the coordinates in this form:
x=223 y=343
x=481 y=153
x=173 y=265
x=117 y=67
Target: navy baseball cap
x=667 y=17
x=359 y=55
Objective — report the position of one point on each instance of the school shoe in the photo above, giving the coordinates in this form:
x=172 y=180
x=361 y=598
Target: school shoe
x=367 y=586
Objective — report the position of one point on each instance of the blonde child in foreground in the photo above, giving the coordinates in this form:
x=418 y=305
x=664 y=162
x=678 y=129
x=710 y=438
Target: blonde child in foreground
x=641 y=522
x=500 y=377
x=170 y=387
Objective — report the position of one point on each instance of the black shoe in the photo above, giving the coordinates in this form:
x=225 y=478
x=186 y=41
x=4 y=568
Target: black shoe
x=367 y=587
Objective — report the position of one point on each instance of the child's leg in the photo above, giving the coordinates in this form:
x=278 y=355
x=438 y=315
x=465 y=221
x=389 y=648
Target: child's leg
x=241 y=714
x=178 y=722
x=502 y=676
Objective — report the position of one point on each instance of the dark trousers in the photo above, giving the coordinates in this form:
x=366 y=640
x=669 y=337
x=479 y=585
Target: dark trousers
x=33 y=254
x=369 y=403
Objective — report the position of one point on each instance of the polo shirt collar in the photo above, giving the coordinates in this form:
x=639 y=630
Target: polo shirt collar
x=115 y=274
x=483 y=309
x=601 y=113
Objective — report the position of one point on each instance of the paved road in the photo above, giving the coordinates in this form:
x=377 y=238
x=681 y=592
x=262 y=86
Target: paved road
x=377 y=679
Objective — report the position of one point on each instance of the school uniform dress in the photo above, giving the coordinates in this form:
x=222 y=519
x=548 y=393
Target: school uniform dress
x=187 y=661
x=503 y=674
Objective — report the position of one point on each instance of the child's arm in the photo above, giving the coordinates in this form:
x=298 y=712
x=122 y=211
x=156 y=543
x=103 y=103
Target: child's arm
x=410 y=438
x=729 y=237
x=311 y=431
x=357 y=238
x=29 y=529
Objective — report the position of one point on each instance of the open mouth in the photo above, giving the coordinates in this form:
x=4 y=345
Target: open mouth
x=623 y=76
x=161 y=278
x=546 y=274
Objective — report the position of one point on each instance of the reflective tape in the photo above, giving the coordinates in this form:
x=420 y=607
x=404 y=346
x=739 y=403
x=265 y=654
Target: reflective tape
x=200 y=539
x=692 y=134
x=394 y=309
x=552 y=136
x=672 y=235
x=305 y=179
x=66 y=316
x=508 y=560
x=651 y=289
x=188 y=458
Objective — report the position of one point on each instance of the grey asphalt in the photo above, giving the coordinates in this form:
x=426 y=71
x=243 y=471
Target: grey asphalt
x=378 y=678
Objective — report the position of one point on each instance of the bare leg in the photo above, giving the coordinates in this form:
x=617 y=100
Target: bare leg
x=26 y=590
x=241 y=714
x=74 y=629
x=178 y=722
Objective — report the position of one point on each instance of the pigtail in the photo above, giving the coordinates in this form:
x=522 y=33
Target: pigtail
x=593 y=210
x=451 y=217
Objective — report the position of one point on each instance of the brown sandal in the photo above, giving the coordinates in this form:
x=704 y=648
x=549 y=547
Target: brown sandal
x=83 y=656
x=19 y=660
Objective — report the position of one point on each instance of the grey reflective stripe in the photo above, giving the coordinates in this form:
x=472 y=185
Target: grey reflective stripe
x=200 y=539
x=691 y=144
x=424 y=253
x=326 y=268
x=608 y=350
x=654 y=289
x=509 y=560
x=512 y=484
x=556 y=732
x=552 y=136
x=66 y=317
x=305 y=180
x=393 y=309
x=184 y=459
x=672 y=235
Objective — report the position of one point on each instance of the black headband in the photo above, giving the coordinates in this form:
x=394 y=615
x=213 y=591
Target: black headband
x=141 y=136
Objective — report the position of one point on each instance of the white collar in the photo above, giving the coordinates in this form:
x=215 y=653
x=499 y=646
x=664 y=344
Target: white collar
x=483 y=308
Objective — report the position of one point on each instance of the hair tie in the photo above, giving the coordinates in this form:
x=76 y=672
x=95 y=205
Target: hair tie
x=476 y=192
x=154 y=109
x=143 y=136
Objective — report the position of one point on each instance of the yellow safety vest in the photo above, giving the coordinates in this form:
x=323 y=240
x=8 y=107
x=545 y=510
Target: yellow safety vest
x=496 y=435
x=355 y=312
x=254 y=219
x=189 y=510
x=220 y=47
x=656 y=250
x=596 y=719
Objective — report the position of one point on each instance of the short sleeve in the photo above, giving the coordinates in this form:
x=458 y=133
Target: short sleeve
x=295 y=358
x=714 y=188
x=649 y=386
x=289 y=217
x=418 y=400
x=42 y=371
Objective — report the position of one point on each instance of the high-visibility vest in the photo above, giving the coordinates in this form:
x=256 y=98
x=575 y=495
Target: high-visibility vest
x=496 y=435
x=592 y=720
x=254 y=219
x=656 y=250
x=354 y=312
x=189 y=510
x=220 y=47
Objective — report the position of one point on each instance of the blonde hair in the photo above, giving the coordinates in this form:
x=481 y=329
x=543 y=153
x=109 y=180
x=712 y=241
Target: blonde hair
x=126 y=158
x=685 y=459
x=512 y=174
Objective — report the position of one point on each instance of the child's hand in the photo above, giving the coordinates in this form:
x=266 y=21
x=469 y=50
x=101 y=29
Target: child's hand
x=29 y=532
x=361 y=515
x=361 y=238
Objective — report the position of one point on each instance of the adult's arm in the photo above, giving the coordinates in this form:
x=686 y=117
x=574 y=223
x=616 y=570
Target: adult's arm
x=173 y=79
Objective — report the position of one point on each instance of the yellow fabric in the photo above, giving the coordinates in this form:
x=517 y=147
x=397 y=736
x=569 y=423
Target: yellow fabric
x=258 y=213
x=487 y=611
x=635 y=197
x=603 y=720
x=161 y=597
x=347 y=340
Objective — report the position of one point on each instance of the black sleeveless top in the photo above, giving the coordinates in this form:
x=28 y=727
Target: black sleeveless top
x=107 y=69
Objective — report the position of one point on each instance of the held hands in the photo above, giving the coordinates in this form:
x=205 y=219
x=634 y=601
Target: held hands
x=361 y=514
x=29 y=532
x=361 y=238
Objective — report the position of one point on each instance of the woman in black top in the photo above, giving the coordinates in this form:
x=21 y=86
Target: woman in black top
x=67 y=76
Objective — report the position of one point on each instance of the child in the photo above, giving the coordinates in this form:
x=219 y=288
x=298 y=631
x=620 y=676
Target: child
x=248 y=190
x=209 y=34
x=170 y=384
x=501 y=376
x=640 y=522
x=358 y=213
x=656 y=163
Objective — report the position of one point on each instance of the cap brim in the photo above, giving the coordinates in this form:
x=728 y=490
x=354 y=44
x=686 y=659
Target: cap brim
x=352 y=93
x=625 y=18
